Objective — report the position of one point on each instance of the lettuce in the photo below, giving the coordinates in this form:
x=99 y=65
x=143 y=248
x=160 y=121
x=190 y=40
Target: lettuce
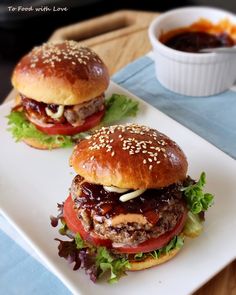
x=197 y=200
x=96 y=261
x=117 y=107
x=176 y=243
x=22 y=129
x=193 y=225
x=105 y=262
x=80 y=244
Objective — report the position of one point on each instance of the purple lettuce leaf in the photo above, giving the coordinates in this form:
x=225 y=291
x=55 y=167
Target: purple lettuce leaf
x=68 y=250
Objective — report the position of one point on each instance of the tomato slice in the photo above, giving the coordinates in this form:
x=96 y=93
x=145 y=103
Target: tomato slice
x=155 y=243
x=74 y=224
x=68 y=129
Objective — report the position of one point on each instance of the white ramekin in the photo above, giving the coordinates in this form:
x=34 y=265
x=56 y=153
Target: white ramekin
x=193 y=74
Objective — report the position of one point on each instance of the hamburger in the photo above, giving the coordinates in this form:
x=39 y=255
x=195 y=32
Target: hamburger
x=60 y=89
x=131 y=202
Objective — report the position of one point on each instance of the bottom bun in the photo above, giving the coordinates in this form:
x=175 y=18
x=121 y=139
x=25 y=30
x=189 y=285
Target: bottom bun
x=33 y=142
x=151 y=261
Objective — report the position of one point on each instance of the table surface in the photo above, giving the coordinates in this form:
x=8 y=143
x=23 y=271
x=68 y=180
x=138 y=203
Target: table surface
x=120 y=38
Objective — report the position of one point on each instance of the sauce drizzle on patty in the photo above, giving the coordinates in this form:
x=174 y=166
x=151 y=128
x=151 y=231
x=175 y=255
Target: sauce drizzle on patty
x=93 y=197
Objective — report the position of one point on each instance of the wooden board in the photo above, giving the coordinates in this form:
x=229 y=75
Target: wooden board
x=120 y=38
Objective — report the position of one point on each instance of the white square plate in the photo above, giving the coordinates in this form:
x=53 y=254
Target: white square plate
x=33 y=181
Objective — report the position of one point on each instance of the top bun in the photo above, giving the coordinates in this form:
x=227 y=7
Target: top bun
x=129 y=156
x=61 y=73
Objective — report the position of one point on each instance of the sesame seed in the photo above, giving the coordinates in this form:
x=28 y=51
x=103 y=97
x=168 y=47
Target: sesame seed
x=129 y=142
x=53 y=53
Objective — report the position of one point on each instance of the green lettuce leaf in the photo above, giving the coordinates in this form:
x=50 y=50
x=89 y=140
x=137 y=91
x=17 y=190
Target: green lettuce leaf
x=80 y=244
x=196 y=199
x=139 y=256
x=193 y=226
x=119 y=107
x=176 y=242
x=21 y=129
x=63 y=229
x=106 y=262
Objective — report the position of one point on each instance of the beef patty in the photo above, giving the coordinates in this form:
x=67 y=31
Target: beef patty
x=150 y=215
x=73 y=114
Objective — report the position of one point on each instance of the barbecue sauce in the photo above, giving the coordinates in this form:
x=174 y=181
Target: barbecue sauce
x=200 y=35
x=37 y=109
x=33 y=106
x=95 y=197
x=195 y=41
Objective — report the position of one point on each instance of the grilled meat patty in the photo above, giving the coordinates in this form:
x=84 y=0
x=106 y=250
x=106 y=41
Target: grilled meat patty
x=127 y=223
x=74 y=114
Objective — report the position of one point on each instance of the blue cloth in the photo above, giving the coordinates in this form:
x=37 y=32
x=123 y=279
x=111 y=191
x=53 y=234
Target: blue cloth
x=22 y=274
x=213 y=118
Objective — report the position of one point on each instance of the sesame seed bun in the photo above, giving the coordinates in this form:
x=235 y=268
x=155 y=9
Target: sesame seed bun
x=61 y=73
x=129 y=156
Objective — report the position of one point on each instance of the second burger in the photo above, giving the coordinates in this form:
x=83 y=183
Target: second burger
x=61 y=89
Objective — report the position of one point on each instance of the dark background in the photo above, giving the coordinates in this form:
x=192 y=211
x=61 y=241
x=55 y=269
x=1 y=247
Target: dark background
x=19 y=32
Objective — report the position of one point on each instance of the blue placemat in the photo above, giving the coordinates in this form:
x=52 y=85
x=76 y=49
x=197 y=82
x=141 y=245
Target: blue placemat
x=213 y=118
x=21 y=274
